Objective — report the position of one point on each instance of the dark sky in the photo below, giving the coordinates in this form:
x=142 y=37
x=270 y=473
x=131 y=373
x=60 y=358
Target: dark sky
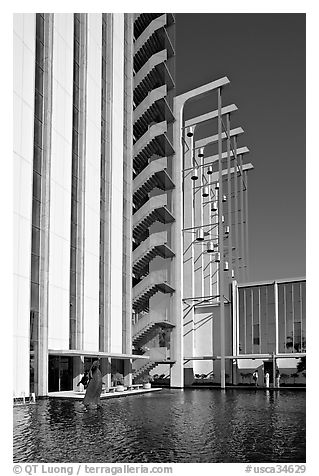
x=263 y=55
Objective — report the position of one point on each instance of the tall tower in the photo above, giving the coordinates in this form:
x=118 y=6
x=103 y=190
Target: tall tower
x=73 y=94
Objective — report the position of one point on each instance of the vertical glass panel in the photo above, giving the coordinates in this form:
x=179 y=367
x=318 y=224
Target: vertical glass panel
x=36 y=213
x=249 y=332
x=271 y=318
x=35 y=268
x=39 y=79
x=34 y=297
x=38 y=108
x=255 y=290
x=38 y=132
x=39 y=53
x=256 y=339
x=303 y=312
x=37 y=159
x=242 y=317
x=263 y=320
x=289 y=318
x=35 y=246
x=39 y=26
x=73 y=283
x=281 y=319
x=36 y=189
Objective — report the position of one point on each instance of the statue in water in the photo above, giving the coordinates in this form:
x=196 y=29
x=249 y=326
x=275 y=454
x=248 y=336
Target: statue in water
x=94 y=388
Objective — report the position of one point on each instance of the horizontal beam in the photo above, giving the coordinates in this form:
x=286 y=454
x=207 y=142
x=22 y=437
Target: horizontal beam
x=90 y=353
x=200 y=91
x=212 y=139
x=276 y=281
x=194 y=121
x=294 y=355
x=214 y=158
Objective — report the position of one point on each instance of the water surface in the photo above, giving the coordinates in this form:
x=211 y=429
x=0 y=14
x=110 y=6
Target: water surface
x=177 y=426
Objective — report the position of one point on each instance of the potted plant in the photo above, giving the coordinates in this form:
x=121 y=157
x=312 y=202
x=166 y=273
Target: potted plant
x=118 y=382
x=147 y=382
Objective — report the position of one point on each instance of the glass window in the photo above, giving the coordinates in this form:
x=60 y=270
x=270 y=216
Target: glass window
x=75 y=140
x=76 y=73
x=37 y=159
x=36 y=186
x=38 y=132
x=39 y=74
x=263 y=319
x=73 y=235
x=38 y=108
x=75 y=169
x=281 y=319
x=76 y=96
x=34 y=297
x=73 y=257
x=289 y=318
x=75 y=118
x=34 y=318
x=36 y=213
x=73 y=283
x=242 y=318
x=39 y=52
x=39 y=26
x=249 y=337
x=35 y=268
x=74 y=184
x=256 y=339
x=74 y=211
x=76 y=52
x=35 y=247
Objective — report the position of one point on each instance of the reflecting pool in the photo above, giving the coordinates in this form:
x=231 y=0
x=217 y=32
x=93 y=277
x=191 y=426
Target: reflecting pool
x=190 y=426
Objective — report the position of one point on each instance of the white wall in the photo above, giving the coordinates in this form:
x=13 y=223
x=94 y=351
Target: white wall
x=92 y=184
x=23 y=114
x=61 y=180
x=117 y=183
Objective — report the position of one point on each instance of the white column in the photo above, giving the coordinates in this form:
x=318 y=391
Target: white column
x=117 y=183
x=177 y=376
x=92 y=184
x=23 y=117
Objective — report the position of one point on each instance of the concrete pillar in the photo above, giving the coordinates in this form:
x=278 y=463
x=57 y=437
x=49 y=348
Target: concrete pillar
x=108 y=374
x=177 y=374
x=105 y=368
x=78 y=371
x=128 y=372
x=42 y=355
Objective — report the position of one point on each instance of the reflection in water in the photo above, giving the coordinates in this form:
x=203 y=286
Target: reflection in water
x=191 y=426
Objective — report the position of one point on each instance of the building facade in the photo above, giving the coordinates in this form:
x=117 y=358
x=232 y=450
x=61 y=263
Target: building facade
x=93 y=114
x=130 y=222
x=73 y=94
x=270 y=329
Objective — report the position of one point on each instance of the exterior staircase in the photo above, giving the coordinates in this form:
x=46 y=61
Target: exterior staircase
x=154 y=245
x=153 y=176
x=144 y=370
x=153 y=142
x=140 y=337
x=153 y=210
x=151 y=284
x=154 y=73
x=145 y=327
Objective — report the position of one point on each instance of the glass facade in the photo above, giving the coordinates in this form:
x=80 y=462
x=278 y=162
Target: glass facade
x=258 y=307
x=292 y=316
